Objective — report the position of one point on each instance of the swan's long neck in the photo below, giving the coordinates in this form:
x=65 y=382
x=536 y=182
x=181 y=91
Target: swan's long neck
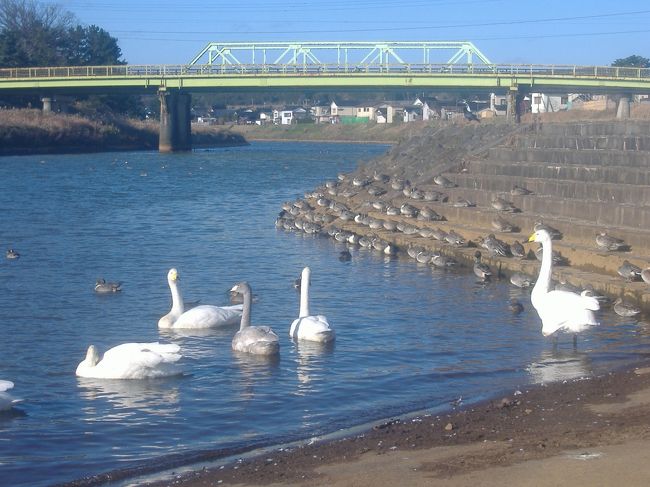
x=246 y=313
x=92 y=356
x=177 y=300
x=543 y=283
x=304 y=293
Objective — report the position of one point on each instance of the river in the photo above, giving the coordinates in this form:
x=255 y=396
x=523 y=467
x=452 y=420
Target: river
x=409 y=337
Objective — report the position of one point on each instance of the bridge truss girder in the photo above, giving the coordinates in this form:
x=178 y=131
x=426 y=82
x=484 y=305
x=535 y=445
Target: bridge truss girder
x=345 y=53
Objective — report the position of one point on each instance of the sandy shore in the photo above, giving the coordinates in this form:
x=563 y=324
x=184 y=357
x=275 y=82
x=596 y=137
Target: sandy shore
x=593 y=432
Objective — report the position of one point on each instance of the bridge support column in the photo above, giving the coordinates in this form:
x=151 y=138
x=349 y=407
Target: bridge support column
x=175 y=121
x=623 y=108
x=513 y=104
x=47 y=104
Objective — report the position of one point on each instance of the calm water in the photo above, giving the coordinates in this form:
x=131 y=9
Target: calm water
x=408 y=337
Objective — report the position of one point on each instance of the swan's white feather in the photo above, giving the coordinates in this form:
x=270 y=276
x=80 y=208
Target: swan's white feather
x=6 y=400
x=131 y=361
x=203 y=316
x=565 y=310
x=307 y=326
x=559 y=310
x=208 y=316
x=312 y=327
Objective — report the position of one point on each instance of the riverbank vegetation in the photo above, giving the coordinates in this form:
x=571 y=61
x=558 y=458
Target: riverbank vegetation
x=25 y=131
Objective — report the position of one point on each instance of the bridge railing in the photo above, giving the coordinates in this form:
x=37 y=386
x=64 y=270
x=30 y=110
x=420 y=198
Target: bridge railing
x=166 y=71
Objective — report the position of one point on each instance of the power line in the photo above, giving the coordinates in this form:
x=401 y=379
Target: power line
x=398 y=28
x=540 y=36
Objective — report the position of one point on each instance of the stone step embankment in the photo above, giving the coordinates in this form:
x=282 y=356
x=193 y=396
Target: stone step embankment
x=568 y=157
x=593 y=129
x=604 y=214
x=565 y=189
x=597 y=142
x=594 y=174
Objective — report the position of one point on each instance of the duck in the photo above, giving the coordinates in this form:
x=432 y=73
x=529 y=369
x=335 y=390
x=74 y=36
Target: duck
x=314 y=328
x=518 y=250
x=496 y=246
x=481 y=270
x=501 y=204
x=131 y=361
x=6 y=400
x=442 y=261
x=622 y=308
x=559 y=310
x=607 y=242
x=521 y=280
x=199 y=317
x=12 y=254
x=629 y=271
x=103 y=287
x=258 y=340
x=520 y=191
x=501 y=225
x=553 y=232
x=645 y=275
x=440 y=180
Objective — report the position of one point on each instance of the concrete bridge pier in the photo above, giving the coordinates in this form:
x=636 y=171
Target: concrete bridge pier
x=47 y=104
x=514 y=104
x=623 y=108
x=175 y=121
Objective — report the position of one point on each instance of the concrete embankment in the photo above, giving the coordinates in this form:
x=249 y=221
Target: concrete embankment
x=583 y=178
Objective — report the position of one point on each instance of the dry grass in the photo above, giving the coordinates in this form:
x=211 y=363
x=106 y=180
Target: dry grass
x=28 y=131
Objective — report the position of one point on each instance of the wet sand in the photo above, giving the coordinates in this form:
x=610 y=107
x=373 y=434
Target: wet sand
x=590 y=431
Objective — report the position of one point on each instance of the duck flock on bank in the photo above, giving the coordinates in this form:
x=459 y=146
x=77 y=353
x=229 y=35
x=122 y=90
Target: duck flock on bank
x=391 y=208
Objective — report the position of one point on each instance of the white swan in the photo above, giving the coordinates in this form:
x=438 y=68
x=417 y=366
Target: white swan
x=202 y=316
x=131 y=361
x=559 y=309
x=6 y=401
x=309 y=327
x=260 y=340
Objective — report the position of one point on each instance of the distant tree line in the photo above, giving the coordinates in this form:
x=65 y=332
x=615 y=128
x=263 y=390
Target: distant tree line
x=45 y=34
x=35 y=34
x=633 y=61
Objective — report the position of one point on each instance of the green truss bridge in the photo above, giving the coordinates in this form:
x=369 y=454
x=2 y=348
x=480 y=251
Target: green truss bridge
x=318 y=66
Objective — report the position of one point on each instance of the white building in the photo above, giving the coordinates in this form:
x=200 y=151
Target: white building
x=283 y=117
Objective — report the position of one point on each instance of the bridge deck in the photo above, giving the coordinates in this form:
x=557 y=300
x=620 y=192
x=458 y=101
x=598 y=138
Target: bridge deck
x=495 y=77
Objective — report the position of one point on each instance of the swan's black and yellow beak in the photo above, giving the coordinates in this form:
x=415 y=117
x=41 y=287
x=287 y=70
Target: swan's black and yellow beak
x=531 y=238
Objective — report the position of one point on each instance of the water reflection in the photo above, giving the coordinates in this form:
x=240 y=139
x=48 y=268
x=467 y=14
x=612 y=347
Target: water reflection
x=155 y=396
x=254 y=371
x=558 y=365
x=309 y=363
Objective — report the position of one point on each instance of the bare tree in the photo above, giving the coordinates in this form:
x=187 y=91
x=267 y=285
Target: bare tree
x=34 y=33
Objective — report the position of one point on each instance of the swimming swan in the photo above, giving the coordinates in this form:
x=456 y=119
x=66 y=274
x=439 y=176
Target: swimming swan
x=202 y=316
x=6 y=401
x=260 y=340
x=559 y=309
x=309 y=327
x=131 y=361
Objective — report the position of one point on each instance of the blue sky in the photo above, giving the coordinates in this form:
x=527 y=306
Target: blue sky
x=506 y=31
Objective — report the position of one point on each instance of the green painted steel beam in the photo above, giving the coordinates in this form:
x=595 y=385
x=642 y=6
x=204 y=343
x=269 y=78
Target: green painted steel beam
x=147 y=79
x=369 y=52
